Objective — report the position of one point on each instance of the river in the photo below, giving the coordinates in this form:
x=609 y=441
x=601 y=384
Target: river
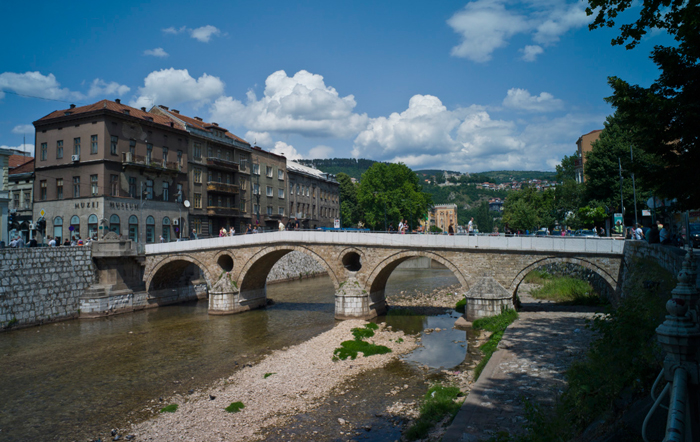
x=76 y=379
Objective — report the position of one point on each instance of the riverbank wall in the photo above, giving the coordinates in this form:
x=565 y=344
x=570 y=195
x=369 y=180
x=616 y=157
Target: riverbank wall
x=41 y=285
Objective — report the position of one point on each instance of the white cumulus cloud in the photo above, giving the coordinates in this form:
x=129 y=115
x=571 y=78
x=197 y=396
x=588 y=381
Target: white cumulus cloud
x=23 y=129
x=157 y=52
x=174 y=86
x=487 y=25
x=287 y=150
x=35 y=84
x=520 y=99
x=262 y=139
x=28 y=148
x=203 y=33
x=99 y=87
x=302 y=104
x=530 y=52
x=320 y=152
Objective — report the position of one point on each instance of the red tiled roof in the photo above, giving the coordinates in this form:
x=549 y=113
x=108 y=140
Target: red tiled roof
x=27 y=166
x=18 y=160
x=203 y=125
x=112 y=106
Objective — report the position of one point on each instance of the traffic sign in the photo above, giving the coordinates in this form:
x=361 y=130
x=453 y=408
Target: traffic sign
x=71 y=228
x=42 y=213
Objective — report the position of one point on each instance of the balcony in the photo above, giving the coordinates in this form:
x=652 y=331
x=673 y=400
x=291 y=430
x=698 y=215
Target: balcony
x=218 y=163
x=129 y=159
x=222 y=211
x=230 y=189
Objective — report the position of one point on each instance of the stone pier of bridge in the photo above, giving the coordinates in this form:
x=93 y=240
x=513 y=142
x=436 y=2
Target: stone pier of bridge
x=488 y=268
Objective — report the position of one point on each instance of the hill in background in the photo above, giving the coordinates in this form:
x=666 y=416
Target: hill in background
x=353 y=167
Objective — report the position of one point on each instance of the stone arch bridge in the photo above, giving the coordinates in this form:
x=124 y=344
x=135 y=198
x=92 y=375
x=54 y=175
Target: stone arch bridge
x=489 y=268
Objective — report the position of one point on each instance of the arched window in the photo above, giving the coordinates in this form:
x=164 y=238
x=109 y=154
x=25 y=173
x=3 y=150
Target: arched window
x=75 y=224
x=133 y=228
x=114 y=224
x=58 y=229
x=150 y=230
x=166 y=229
x=92 y=226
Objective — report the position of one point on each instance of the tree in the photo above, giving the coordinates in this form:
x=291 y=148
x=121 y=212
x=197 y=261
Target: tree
x=567 y=169
x=391 y=192
x=664 y=115
x=568 y=198
x=529 y=210
x=348 y=200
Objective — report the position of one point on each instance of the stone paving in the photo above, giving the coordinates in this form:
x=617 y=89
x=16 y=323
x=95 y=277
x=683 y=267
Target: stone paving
x=529 y=364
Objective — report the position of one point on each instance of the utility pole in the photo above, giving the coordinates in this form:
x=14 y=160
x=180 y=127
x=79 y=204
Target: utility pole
x=622 y=204
x=634 y=190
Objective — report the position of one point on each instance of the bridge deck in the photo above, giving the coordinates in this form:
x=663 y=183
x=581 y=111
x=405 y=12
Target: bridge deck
x=516 y=243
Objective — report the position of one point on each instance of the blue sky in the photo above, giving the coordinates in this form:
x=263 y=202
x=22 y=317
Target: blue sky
x=468 y=86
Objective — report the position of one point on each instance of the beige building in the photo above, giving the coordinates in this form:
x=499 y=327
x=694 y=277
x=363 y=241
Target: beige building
x=21 y=189
x=585 y=145
x=219 y=175
x=269 y=188
x=108 y=166
x=443 y=215
x=314 y=196
x=4 y=195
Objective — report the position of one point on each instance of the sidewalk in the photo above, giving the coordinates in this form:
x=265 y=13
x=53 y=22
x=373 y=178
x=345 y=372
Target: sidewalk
x=529 y=364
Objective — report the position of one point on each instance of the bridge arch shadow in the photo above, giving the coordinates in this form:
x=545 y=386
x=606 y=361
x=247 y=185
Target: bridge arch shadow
x=252 y=278
x=380 y=275
x=604 y=282
x=177 y=279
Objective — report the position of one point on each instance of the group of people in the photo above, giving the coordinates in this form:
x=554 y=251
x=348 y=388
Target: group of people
x=19 y=243
x=656 y=234
x=230 y=232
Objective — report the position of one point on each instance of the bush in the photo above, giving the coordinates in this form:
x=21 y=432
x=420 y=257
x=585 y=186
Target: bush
x=537 y=277
x=438 y=402
x=567 y=290
x=349 y=349
x=235 y=407
x=461 y=305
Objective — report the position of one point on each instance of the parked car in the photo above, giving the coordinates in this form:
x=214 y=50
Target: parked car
x=542 y=232
x=589 y=233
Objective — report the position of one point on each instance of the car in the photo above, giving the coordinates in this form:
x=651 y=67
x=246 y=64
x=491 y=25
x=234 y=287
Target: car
x=587 y=233
x=542 y=232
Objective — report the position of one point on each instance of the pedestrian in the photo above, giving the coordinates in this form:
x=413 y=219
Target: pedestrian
x=66 y=243
x=280 y=226
x=654 y=236
x=451 y=230
x=470 y=226
x=32 y=243
x=401 y=226
x=665 y=235
x=193 y=235
x=52 y=242
x=162 y=240
x=639 y=233
x=296 y=224
x=231 y=231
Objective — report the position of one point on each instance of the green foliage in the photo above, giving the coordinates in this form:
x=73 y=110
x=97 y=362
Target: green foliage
x=349 y=349
x=362 y=333
x=437 y=403
x=235 y=407
x=568 y=290
x=591 y=216
x=349 y=211
x=537 y=277
x=461 y=305
x=567 y=169
x=391 y=192
x=267 y=375
x=529 y=210
x=497 y=325
x=568 y=198
x=372 y=326
x=172 y=408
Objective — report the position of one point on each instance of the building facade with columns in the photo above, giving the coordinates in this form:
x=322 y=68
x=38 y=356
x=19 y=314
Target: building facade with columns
x=314 y=196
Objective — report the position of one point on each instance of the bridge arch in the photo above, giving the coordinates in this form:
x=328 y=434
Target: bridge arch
x=253 y=276
x=378 y=277
x=610 y=281
x=162 y=272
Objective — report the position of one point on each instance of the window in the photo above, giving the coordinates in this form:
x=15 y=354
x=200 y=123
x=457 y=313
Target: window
x=210 y=176
x=197 y=175
x=209 y=152
x=58 y=229
x=149 y=190
x=243 y=206
x=244 y=165
x=114 y=224
x=75 y=223
x=27 y=200
x=197 y=151
x=132 y=187
x=228 y=201
x=113 y=145
x=179 y=158
x=150 y=230
x=15 y=200
x=76 y=146
x=197 y=200
x=179 y=193
x=166 y=229
x=280 y=211
x=269 y=210
x=244 y=184
x=269 y=171
x=114 y=185
x=132 y=147
x=218 y=153
x=76 y=187
x=280 y=193
x=92 y=226
x=93 y=144
x=44 y=151
x=256 y=189
x=256 y=209
x=165 y=156
x=59 y=188
x=197 y=224
x=269 y=191
x=59 y=149
x=149 y=153
x=93 y=185
x=42 y=190
x=166 y=190
x=256 y=169
x=228 y=155
x=307 y=190
x=219 y=202
x=291 y=189
x=210 y=200
x=133 y=228
x=280 y=174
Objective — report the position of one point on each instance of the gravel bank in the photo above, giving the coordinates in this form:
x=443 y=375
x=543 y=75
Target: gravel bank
x=303 y=375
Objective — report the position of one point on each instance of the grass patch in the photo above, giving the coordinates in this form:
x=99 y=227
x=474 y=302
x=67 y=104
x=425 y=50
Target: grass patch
x=235 y=407
x=438 y=402
x=172 y=408
x=461 y=305
x=401 y=312
x=267 y=375
x=350 y=349
x=497 y=325
x=362 y=333
x=537 y=277
x=568 y=290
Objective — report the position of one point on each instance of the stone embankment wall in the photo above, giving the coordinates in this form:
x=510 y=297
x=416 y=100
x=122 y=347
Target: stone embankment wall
x=43 y=284
x=295 y=265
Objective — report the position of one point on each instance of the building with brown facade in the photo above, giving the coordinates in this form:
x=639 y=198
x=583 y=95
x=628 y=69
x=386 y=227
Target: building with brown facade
x=108 y=166
x=219 y=174
x=269 y=188
x=21 y=189
x=314 y=196
x=584 y=145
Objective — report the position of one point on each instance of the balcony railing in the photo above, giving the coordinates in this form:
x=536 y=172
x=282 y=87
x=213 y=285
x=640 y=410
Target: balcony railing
x=222 y=211
x=139 y=160
x=219 y=163
x=213 y=186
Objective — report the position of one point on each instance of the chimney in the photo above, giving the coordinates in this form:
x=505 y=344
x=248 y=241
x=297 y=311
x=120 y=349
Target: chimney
x=197 y=118
x=143 y=109
x=118 y=101
x=175 y=111
x=215 y=124
x=163 y=107
x=172 y=124
x=72 y=106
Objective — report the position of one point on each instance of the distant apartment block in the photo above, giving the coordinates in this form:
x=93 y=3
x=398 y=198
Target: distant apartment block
x=584 y=145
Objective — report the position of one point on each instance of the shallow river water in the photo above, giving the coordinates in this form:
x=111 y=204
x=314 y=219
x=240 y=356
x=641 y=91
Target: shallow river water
x=75 y=380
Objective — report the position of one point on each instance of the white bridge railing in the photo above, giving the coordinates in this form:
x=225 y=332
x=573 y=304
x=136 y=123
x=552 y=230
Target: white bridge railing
x=360 y=239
